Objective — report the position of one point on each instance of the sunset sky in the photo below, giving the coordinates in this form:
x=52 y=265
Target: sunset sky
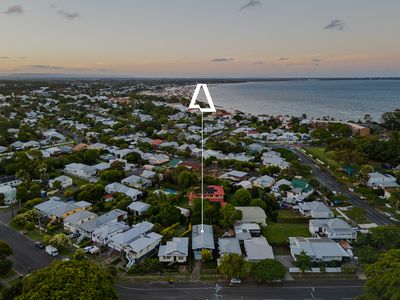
x=216 y=38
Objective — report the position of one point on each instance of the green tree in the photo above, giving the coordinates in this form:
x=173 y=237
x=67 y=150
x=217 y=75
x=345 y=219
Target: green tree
x=232 y=265
x=169 y=214
x=5 y=249
x=268 y=270
x=85 y=280
x=242 y=197
x=228 y=215
x=206 y=255
x=91 y=156
x=303 y=261
x=59 y=240
x=383 y=277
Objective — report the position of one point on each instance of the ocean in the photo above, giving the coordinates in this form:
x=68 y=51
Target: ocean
x=341 y=99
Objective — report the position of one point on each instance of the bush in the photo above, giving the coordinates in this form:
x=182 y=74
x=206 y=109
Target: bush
x=5 y=266
x=29 y=226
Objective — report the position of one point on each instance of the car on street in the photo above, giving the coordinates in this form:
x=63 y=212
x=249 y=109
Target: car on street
x=40 y=245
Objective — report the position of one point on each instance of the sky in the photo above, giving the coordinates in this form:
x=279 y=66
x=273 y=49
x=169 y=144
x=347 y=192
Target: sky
x=201 y=38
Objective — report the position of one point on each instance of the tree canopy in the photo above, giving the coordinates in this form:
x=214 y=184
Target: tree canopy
x=73 y=279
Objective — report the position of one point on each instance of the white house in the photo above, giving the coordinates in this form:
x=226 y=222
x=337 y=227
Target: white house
x=176 y=250
x=257 y=248
x=136 y=182
x=273 y=158
x=65 y=181
x=335 y=229
x=382 y=180
x=120 y=188
x=264 y=181
x=319 y=249
x=80 y=170
x=72 y=221
x=315 y=210
x=10 y=194
x=138 y=207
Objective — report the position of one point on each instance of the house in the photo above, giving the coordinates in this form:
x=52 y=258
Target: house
x=299 y=192
x=59 y=210
x=379 y=180
x=120 y=188
x=229 y=246
x=273 y=158
x=136 y=182
x=65 y=181
x=72 y=221
x=335 y=229
x=136 y=242
x=119 y=241
x=11 y=181
x=86 y=229
x=103 y=233
x=264 y=181
x=156 y=159
x=257 y=248
x=319 y=249
x=252 y=214
x=141 y=247
x=80 y=170
x=213 y=193
x=148 y=174
x=176 y=250
x=315 y=210
x=245 y=184
x=10 y=194
x=246 y=231
x=235 y=176
x=202 y=240
x=138 y=208
x=256 y=148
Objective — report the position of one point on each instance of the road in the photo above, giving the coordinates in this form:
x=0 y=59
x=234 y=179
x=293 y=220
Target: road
x=26 y=257
x=331 y=289
x=329 y=180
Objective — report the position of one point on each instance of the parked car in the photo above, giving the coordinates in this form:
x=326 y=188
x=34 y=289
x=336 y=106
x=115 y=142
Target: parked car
x=40 y=245
x=235 y=281
x=53 y=251
x=91 y=249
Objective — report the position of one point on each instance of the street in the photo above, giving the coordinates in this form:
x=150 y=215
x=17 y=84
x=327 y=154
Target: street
x=327 y=179
x=26 y=257
x=330 y=289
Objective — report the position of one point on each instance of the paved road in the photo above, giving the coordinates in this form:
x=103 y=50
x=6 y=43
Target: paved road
x=338 y=289
x=25 y=255
x=327 y=179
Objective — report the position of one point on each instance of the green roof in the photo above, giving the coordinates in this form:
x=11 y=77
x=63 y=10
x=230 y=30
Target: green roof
x=304 y=185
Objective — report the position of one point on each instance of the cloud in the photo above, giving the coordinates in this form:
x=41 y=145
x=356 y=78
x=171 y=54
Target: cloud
x=284 y=58
x=251 y=3
x=46 y=67
x=335 y=25
x=258 y=63
x=5 y=57
x=316 y=60
x=69 y=15
x=14 y=10
x=222 y=59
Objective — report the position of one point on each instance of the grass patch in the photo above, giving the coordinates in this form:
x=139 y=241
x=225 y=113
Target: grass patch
x=326 y=157
x=358 y=216
x=32 y=234
x=278 y=234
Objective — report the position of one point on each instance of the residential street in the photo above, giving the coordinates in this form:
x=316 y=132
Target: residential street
x=327 y=179
x=331 y=289
x=25 y=256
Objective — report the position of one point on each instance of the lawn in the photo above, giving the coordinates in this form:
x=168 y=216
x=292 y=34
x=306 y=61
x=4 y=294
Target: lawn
x=326 y=157
x=358 y=215
x=32 y=234
x=277 y=234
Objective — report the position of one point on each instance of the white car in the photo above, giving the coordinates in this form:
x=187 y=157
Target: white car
x=91 y=249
